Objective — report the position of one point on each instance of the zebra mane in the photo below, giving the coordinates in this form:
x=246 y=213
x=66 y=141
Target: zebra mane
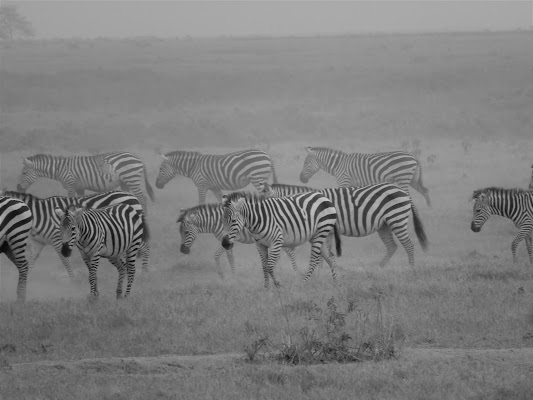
x=182 y=153
x=21 y=195
x=192 y=210
x=40 y=156
x=253 y=197
x=288 y=185
x=327 y=149
x=493 y=190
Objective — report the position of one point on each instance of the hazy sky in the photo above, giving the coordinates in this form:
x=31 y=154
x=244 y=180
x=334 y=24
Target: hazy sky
x=92 y=18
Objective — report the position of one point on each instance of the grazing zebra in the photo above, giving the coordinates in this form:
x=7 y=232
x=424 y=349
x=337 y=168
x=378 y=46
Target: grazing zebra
x=97 y=173
x=383 y=208
x=515 y=204
x=358 y=169
x=45 y=230
x=208 y=218
x=15 y=225
x=114 y=232
x=216 y=172
x=284 y=222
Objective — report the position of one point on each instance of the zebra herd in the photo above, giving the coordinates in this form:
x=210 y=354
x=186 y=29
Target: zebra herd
x=373 y=196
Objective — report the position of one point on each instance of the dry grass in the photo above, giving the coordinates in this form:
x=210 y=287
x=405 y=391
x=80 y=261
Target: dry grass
x=462 y=100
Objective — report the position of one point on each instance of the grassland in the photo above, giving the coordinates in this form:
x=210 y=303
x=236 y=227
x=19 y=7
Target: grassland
x=462 y=318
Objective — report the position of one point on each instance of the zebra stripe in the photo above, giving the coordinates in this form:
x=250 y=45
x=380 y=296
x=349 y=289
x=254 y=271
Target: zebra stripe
x=515 y=204
x=97 y=173
x=208 y=218
x=216 y=172
x=112 y=232
x=15 y=225
x=358 y=169
x=383 y=208
x=288 y=221
x=45 y=230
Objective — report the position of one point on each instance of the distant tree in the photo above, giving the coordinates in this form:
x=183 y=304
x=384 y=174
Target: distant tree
x=13 y=24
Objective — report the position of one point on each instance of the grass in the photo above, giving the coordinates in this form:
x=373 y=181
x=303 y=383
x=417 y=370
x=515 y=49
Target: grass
x=460 y=101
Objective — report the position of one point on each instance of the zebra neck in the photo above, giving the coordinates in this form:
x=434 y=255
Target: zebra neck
x=331 y=163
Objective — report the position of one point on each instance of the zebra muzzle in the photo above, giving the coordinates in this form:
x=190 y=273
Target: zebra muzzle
x=226 y=243
x=20 y=189
x=474 y=227
x=66 y=251
x=184 y=249
x=303 y=178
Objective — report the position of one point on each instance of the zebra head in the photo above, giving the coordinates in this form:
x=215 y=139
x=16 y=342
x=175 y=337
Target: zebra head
x=68 y=227
x=311 y=165
x=28 y=176
x=166 y=172
x=233 y=219
x=188 y=229
x=481 y=210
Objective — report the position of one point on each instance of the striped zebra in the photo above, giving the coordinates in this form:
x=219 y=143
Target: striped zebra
x=515 y=204
x=211 y=172
x=383 y=208
x=358 y=169
x=208 y=218
x=97 y=173
x=284 y=222
x=15 y=226
x=45 y=229
x=114 y=232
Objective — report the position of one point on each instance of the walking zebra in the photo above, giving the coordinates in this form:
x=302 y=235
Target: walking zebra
x=15 y=225
x=383 y=208
x=358 y=169
x=515 y=204
x=216 y=172
x=97 y=173
x=284 y=222
x=208 y=218
x=113 y=232
x=45 y=229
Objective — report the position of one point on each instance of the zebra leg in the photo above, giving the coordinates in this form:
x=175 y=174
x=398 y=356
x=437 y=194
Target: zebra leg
x=218 y=253
x=529 y=245
x=274 y=253
x=387 y=238
x=330 y=259
x=92 y=265
x=316 y=250
x=523 y=233
x=21 y=263
x=264 y=255
x=33 y=251
x=130 y=269
x=202 y=191
x=290 y=254
x=144 y=253
x=400 y=231
x=117 y=262
x=66 y=261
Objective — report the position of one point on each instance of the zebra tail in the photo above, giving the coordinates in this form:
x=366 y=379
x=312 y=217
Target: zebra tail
x=148 y=186
x=419 y=228
x=146 y=230
x=338 y=243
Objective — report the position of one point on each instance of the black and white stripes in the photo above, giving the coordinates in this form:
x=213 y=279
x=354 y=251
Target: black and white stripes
x=358 y=169
x=216 y=172
x=15 y=225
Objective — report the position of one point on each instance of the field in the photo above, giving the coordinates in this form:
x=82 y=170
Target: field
x=461 y=320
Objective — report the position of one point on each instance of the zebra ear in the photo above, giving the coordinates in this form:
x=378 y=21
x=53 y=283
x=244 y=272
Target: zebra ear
x=309 y=149
x=164 y=157
x=27 y=162
x=59 y=212
x=224 y=198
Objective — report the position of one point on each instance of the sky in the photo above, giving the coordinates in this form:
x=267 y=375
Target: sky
x=91 y=18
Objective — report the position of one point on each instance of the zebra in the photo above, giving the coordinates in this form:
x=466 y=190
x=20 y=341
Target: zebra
x=358 y=169
x=97 y=173
x=45 y=229
x=515 y=204
x=383 y=208
x=288 y=221
x=211 y=172
x=114 y=232
x=208 y=218
x=15 y=225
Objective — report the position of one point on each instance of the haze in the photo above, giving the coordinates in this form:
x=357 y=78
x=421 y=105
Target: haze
x=268 y=18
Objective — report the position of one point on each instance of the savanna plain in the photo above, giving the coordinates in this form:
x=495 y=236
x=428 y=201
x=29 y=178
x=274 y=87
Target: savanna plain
x=460 y=322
